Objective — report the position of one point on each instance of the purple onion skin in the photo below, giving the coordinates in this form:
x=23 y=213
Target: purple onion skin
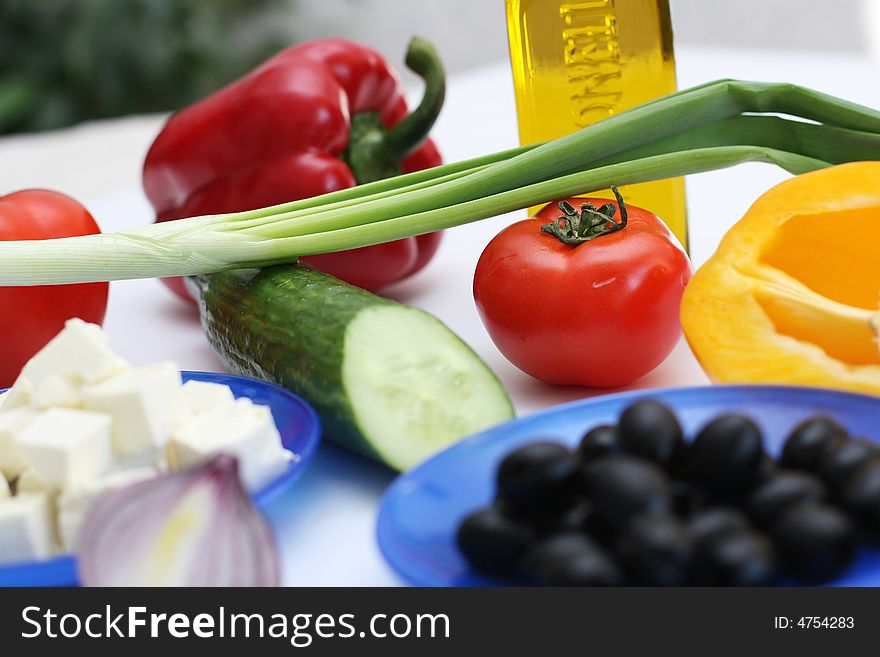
x=120 y=541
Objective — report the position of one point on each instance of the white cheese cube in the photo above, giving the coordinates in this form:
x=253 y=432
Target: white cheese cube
x=57 y=390
x=241 y=429
x=11 y=421
x=25 y=528
x=75 y=503
x=153 y=458
x=200 y=396
x=65 y=447
x=273 y=462
x=4 y=487
x=18 y=396
x=2 y=399
x=29 y=482
x=79 y=352
x=142 y=403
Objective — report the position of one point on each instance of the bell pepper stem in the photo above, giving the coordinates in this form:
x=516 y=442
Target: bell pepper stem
x=406 y=136
x=374 y=151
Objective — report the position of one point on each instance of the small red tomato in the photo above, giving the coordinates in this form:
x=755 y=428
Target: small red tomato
x=31 y=316
x=589 y=299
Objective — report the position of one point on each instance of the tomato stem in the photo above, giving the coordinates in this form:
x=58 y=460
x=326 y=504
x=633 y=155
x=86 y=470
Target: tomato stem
x=575 y=227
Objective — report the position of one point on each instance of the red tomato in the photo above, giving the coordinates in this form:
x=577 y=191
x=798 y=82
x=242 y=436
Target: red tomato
x=601 y=313
x=31 y=316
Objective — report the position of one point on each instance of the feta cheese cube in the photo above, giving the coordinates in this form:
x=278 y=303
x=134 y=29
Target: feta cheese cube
x=4 y=487
x=29 y=482
x=242 y=429
x=142 y=403
x=65 y=447
x=79 y=352
x=272 y=462
x=19 y=395
x=11 y=460
x=57 y=390
x=153 y=458
x=200 y=396
x=2 y=398
x=75 y=503
x=25 y=528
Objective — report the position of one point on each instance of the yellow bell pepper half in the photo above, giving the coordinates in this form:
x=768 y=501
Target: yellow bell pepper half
x=791 y=295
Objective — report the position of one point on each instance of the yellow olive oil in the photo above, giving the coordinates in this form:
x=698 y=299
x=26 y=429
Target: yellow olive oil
x=575 y=63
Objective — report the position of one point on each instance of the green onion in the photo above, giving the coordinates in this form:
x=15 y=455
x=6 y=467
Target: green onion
x=716 y=125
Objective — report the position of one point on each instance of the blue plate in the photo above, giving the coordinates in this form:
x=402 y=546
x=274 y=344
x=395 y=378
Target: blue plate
x=300 y=432
x=422 y=509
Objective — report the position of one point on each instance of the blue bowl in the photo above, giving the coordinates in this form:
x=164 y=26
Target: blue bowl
x=422 y=509
x=300 y=432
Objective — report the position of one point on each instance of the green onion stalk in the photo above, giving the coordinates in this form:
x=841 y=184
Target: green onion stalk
x=712 y=126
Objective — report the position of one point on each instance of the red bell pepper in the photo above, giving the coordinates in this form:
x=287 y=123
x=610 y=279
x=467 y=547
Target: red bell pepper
x=316 y=117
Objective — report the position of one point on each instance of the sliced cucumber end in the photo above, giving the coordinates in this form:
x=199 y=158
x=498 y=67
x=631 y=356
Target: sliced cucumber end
x=414 y=386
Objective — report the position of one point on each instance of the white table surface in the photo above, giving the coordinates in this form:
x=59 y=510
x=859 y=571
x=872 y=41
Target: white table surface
x=326 y=522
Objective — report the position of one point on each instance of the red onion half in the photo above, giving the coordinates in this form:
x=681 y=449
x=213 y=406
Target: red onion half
x=195 y=528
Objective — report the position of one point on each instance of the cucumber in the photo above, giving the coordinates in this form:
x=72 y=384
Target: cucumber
x=389 y=381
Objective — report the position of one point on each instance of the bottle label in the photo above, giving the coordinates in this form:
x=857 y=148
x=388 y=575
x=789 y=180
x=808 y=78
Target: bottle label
x=591 y=51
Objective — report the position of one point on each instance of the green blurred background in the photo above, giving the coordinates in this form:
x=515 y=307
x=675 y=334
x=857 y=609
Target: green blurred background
x=64 y=61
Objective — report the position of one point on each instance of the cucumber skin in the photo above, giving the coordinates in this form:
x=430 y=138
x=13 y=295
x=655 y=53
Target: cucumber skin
x=286 y=324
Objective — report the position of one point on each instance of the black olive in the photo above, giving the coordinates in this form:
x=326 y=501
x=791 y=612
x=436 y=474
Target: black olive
x=861 y=499
x=597 y=442
x=816 y=543
x=726 y=455
x=650 y=430
x=493 y=543
x=687 y=499
x=622 y=487
x=782 y=491
x=809 y=441
x=766 y=470
x=715 y=523
x=677 y=467
x=656 y=551
x=570 y=559
x=739 y=557
x=540 y=478
x=577 y=518
x=601 y=530
x=844 y=460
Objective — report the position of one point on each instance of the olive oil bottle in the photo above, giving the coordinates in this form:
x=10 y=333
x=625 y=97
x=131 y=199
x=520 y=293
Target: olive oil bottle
x=575 y=63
